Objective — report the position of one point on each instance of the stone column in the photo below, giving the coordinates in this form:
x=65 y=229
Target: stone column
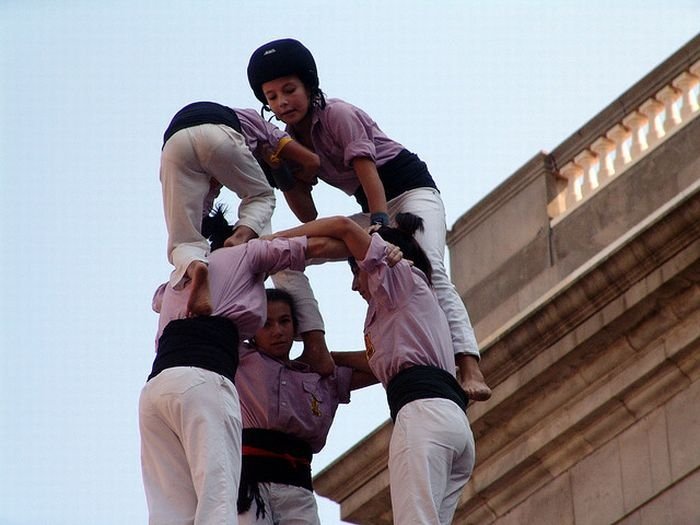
x=573 y=173
x=589 y=164
x=637 y=124
x=670 y=96
x=653 y=110
x=619 y=134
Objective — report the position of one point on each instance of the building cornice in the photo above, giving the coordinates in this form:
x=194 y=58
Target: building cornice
x=564 y=378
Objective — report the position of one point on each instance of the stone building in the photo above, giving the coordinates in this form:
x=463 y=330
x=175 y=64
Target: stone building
x=582 y=276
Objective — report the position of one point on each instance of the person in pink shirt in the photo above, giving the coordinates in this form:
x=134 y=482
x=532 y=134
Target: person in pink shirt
x=408 y=348
x=206 y=146
x=189 y=413
x=287 y=411
x=357 y=157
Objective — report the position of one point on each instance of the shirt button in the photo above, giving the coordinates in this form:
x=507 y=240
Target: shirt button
x=284 y=404
x=284 y=382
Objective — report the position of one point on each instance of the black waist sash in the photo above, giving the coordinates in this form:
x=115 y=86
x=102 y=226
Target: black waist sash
x=271 y=456
x=208 y=342
x=423 y=382
x=402 y=173
x=199 y=113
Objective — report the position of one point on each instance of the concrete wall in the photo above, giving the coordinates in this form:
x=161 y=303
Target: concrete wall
x=505 y=258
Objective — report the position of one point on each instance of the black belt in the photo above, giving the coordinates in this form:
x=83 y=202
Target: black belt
x=402 y=173
x=423 y=382
x=208 y=342
x=199 y=113
x=271 y=456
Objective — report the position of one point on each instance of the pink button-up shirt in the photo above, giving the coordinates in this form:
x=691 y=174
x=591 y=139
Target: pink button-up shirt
x=342 y=132
x=288 y=397
x=236 y=281
x=258 y=132
x=405 y=325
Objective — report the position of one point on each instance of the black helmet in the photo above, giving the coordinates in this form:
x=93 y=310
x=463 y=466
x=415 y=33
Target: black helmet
x=280 y=58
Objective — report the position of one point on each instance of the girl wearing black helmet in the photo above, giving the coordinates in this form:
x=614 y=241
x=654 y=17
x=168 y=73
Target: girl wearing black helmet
x=358 y=158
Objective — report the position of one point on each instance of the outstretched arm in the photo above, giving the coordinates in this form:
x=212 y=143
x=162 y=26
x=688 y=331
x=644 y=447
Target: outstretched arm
x=362 y=375
x=294 y=168
x=326 y=248
x=301 y=202
x=366 y=171
x=342 y=229
x=305 y=163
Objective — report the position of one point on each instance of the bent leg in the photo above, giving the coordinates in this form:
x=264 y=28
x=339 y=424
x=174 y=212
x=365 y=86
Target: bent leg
x=185 y=186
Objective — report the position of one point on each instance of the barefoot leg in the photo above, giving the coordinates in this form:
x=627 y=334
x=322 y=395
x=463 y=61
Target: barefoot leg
x=471 y=378
x=199 y=302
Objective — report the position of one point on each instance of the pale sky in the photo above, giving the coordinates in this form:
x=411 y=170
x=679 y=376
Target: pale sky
x=476 y=89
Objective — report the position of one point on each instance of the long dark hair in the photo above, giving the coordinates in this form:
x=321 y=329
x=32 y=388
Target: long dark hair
x=407 y=224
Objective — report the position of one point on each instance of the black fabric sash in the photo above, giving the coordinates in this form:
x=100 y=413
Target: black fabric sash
x=402 y=173
x=199 y=113
x=271 y=456
x=423 y=382
x=208 y=342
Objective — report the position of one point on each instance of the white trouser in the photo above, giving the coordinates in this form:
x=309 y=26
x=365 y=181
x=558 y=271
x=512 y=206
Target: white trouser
x=284 y=505
x=431 y=457
x=190 y=423
x=305 y=303
x=191 y=158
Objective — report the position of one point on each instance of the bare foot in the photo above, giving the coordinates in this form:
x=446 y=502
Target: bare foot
x=199 y=302
x=471 y=378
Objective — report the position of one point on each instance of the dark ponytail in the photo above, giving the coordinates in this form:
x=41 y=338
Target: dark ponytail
x=407 y=224
x=216 y=228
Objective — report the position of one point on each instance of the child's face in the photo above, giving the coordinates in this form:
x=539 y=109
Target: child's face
x=275 y=338
x=288 y=98
x=360 y=282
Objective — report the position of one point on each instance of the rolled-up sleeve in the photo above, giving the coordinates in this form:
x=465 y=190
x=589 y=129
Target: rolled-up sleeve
x=389 y=286
x=353 y=130
x=271 y=256
x=258 y=132
x=343 y=377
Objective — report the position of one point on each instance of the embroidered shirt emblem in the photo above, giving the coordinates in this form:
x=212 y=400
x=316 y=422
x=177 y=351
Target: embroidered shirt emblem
x=369 y=347
x=315 y=406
